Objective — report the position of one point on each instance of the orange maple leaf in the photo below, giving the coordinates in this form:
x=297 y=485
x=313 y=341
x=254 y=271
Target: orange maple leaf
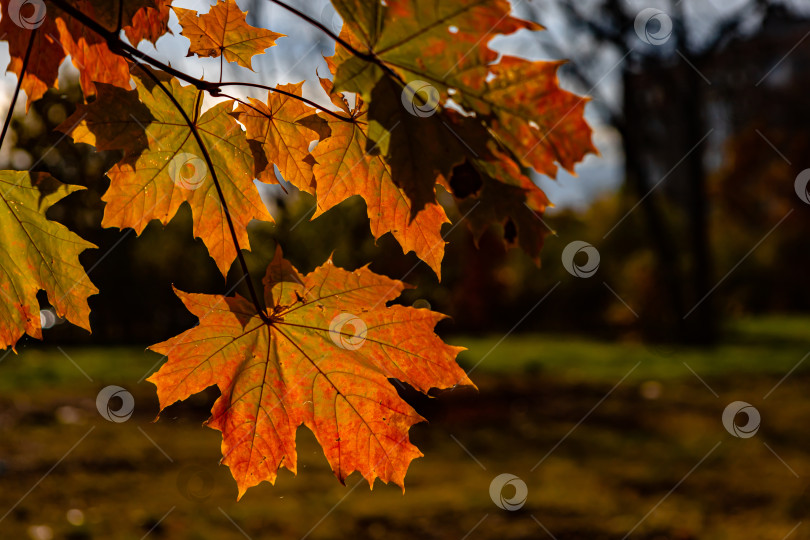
x=149 y=23
x=224 y=31
x=517 y=114
x=283 y=127
x=321 y=354
x=345 y=168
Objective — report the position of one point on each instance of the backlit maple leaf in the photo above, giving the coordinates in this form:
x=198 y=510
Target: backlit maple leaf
x=282 y=128
x=344 y=167
x=517 y=114
x=321 y=354
x=224 y=31
x=37 y=254
x=164 y=165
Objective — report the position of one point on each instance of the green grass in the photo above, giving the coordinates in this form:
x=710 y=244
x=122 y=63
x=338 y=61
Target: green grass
x=764 y=345
x=613 y=453
x=48 y=367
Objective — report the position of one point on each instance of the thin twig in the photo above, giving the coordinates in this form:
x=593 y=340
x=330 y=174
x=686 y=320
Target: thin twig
x=289 y=94
x=120 y=47
x=365 y=56
x=7 y=123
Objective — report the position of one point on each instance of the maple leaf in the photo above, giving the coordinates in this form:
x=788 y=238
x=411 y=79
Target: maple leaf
x=91 y=55
x=516 y=113
x=420 y=150
x=283 y=129
x=339 y=167
x=345 y=168
x=46 y=54
x=224 y=31
x=164 y=166
x=446 y=44
x=492 y=188
x=321 y=354
x=421 y=39
x=37 y=254
x=539 y=122
x=518 y=210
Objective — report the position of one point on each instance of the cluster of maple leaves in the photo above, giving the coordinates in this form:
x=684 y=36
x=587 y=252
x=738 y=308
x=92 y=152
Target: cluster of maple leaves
x=432 y=107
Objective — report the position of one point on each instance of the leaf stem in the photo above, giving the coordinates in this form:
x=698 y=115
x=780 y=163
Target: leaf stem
x=209 y=162
x=27 y=57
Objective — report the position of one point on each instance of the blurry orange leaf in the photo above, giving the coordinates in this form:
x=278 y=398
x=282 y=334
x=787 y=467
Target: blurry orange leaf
x=37 y=254
x=321 y=354
x=224 y=31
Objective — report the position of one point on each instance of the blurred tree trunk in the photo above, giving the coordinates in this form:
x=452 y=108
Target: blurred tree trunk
x=661 y=240
x=701 y=324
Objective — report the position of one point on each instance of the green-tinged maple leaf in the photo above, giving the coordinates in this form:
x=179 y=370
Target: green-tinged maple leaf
x=224 y=31
x=165 y=167
x=37 y=254
x=421 y=40
x=415 y=56
x=282 y=129
x=57 y=35
x=345 y=168
x=446 y=45
x=321 y=354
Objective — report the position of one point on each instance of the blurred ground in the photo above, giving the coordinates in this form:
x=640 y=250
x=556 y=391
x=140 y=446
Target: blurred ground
x=622 y=433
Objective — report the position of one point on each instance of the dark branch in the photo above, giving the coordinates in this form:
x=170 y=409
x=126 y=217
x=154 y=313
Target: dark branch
x=365 y=56
x=7 y=123
x=120 y=47
x=289 y=94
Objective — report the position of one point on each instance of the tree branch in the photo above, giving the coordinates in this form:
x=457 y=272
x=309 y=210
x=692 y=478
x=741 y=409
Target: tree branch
x=120 y=47
x=365 y=56
x=7 y=122
x=288 y=94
